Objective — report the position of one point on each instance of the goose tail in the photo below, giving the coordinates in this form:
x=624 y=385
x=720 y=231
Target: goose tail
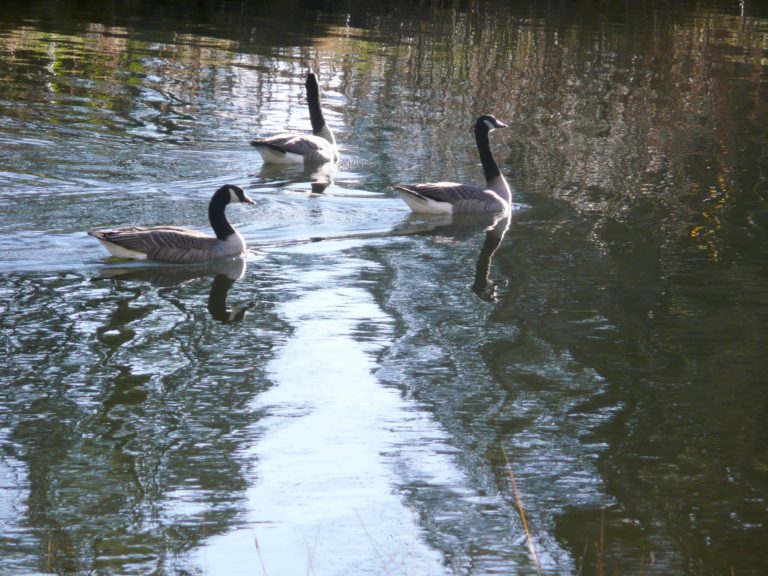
x=258 y=144
x=420 y=203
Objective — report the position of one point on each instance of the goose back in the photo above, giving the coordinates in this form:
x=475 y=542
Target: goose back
x=295 y=149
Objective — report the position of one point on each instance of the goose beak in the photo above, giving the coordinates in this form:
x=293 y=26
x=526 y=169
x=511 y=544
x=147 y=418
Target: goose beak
x=247 y=200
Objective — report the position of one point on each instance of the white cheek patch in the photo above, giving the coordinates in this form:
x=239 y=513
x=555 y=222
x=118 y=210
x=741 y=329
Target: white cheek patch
x=233 y=196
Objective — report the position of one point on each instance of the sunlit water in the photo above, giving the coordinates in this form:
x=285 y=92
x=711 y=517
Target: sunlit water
x=366 y=391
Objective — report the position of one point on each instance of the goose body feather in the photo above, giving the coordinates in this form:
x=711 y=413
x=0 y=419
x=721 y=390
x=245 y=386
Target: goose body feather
x=295 y=149
x=449 y=198
x=180 y=245
x=168 y=244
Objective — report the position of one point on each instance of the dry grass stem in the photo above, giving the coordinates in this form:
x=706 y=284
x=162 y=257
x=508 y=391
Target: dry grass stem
x=521 y=512
x=258 y=553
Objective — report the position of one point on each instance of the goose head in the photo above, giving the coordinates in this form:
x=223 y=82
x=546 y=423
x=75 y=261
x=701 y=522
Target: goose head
x=488 y=123
x=233 y=194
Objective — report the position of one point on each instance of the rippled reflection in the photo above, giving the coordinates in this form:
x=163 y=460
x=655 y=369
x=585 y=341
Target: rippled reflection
x=290 y=177
x=125 y=406
x=620 y=365
x=461 y=227
x=225 y=273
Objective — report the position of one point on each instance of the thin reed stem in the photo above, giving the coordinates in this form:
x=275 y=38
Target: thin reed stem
x=521 y=512
x=601 y=546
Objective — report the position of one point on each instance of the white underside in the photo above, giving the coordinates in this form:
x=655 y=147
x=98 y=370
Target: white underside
x=425 y=205
x=120 y=252
x=274 y=157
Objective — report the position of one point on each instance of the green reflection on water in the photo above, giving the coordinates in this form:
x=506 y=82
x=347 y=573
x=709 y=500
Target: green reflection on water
x=618 y=357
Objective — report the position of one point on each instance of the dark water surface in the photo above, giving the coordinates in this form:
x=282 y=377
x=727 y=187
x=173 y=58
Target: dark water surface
x=345 y=399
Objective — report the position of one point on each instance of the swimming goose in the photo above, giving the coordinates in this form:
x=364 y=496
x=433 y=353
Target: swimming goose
x=180 y=245
x=454 y=198
x=317 y=148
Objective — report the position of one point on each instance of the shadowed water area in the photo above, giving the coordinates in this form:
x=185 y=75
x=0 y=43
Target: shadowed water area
x=368 y=391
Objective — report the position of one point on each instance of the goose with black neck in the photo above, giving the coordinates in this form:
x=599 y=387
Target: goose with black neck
x=181 y=245
x=456 y=198
x=289 y=148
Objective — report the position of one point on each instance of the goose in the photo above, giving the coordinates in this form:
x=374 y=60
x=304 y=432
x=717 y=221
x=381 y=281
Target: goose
x=180 y=245
x=316 y=148
x=455 y=198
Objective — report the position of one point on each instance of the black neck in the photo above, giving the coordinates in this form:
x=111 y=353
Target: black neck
x=315 y=112
x=490 y=168
x=216 y=216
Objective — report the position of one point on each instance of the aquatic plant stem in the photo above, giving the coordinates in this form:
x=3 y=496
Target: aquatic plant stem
x=601 y=546
x=258 y=553
x=521 y=512
x=376 y=549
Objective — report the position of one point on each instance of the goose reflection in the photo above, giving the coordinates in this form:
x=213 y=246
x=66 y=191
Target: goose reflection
x=225 y=273
x=484 y=286
x=319 y=177
x=462 y=226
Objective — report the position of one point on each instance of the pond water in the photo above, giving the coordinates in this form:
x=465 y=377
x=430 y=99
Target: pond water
x=370 y=392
